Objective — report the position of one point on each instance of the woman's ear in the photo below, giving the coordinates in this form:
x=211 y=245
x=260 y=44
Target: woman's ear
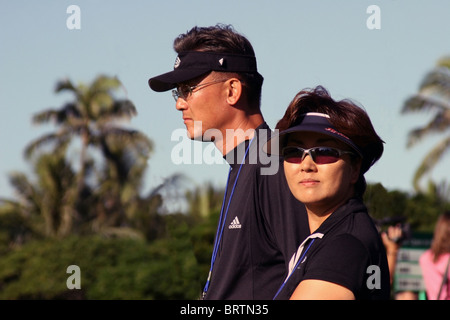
x=234 y=91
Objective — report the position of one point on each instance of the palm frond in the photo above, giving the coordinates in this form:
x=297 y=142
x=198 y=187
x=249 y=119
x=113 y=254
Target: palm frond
x=444 y=62
x=100 y=90
x=105 y=83
x=430 y=160
x=437 y=82
x=60 y=139
x=23 y=187
x=55 y=173
x=59 y=116
x=121 y=137
x=122 y=109
x=8 y=202
x=98 y=98
x=66 y=84
x=439 y=124
x=172 y=182
x=424 y=103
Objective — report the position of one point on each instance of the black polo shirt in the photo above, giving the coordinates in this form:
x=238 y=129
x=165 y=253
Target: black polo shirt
x=347 y=250
x=263 y=226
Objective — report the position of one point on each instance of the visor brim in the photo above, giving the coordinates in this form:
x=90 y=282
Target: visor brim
x=170 y=80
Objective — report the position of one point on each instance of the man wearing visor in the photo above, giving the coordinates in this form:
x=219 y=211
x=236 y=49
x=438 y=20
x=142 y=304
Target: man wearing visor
x=217 y=87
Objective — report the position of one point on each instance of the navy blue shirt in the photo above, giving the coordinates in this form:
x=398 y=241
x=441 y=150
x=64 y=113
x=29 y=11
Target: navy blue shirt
x=347 y=250
x=264 y=225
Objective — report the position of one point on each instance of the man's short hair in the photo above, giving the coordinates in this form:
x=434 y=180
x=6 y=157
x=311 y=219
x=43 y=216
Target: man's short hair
x=224 y=39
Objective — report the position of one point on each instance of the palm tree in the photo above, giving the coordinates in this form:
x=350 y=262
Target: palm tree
x=433 y=96
x=93 y=117
x=45 y=197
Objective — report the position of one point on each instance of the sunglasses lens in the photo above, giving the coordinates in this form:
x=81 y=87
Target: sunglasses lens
x=181 y=92
x=184 y=90
x=322 y=155
x=175 y=94
x=292 y=154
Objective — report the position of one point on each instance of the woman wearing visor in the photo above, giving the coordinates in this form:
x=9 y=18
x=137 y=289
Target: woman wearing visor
x=327 y=146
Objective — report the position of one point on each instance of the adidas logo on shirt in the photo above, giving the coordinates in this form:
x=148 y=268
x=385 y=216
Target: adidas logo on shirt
x=235 y=224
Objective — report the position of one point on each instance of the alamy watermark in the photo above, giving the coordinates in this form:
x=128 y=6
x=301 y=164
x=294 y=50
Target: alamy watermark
x=73 y=22
x=187 y=152
x=374 y=279
x=373 y=22
x=73 y=281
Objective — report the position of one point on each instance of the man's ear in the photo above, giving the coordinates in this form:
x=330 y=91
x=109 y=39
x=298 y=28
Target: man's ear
x=234 y=91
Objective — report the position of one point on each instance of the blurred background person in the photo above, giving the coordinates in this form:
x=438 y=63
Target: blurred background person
x=392 y=244
x=435 y=261
x=393 y=238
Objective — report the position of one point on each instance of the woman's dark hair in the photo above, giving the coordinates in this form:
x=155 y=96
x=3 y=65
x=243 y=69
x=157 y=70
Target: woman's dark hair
x=224 y=39
x=347 y=117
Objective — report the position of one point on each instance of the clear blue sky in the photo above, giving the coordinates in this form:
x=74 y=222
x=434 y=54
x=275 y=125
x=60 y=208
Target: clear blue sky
x=298 y=44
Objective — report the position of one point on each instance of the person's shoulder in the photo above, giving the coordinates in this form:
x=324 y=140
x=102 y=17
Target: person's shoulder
x=342 y=245
x=363 y=228
x=345 y=241
x=425 y=257
x=340 y=259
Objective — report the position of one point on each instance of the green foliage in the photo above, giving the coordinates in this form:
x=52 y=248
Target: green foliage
x=14 y=229
x=111 y=268
x=420 y=210
x=173 y=264
x=382 y=203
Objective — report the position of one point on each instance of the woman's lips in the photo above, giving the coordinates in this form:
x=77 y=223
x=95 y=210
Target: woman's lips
x=309 y=182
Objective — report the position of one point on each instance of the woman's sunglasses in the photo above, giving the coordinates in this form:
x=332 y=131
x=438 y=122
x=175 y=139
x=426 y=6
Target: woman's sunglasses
x=320 y=155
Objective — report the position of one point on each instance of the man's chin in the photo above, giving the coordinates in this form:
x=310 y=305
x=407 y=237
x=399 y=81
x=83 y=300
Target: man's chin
x=198 y=137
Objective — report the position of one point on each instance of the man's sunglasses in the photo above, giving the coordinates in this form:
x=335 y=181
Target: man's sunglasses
x=183 y=90
x=320 y=155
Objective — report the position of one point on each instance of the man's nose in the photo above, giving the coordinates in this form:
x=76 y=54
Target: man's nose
x=181 y=104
